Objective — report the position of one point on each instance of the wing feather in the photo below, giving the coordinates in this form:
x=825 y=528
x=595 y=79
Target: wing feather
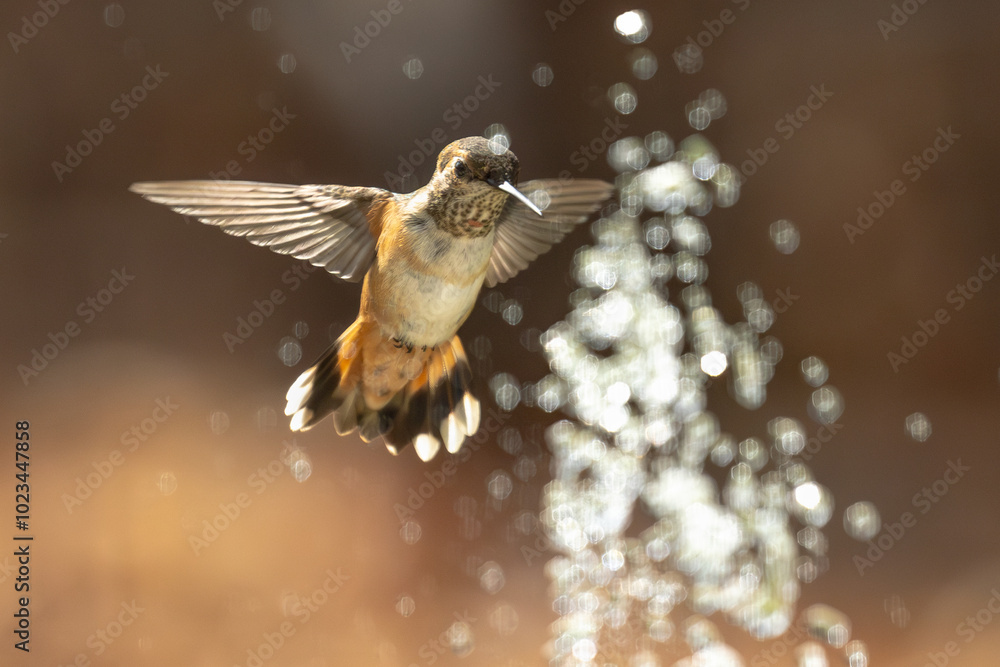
x=332 y=226
x=521 y=236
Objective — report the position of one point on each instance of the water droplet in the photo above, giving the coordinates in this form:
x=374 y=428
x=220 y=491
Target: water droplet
x=260 y=18
x=506 y=390
x=899 y=614
x=499 y=484
x=413 y=67
x=498 y=138
x=828 y=624
x=167 y=483
x=218 y=421
x=405 y=606
x=289 y=351
x=918 y=426
x=265 y=418
x=698 y=116
x=785 y=236
x=542 y=75
x=503 y=618
x=814 y=371
x=644 y=64
x=634 y=26
x=660 y=145
x=512 y=312
x=628 y=154
x=714 y=363
x=857 y=654
x=584 y=649
x=826 y=405
x=861 y=521
x=299 y=464
x=114 y=15
x=460 y=638
x=301 y=330
x=811 y=654
x=623 y=98
x=491 y=577
x=410 y=532
x=689 y=58
x=286 y=63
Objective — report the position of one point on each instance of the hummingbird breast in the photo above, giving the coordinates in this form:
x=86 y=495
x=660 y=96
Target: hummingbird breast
x=425 y=280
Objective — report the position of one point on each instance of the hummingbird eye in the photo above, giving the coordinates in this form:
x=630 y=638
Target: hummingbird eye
x=460 y=168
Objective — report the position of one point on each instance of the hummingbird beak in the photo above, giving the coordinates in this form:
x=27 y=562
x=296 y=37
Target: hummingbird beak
x=511 y=190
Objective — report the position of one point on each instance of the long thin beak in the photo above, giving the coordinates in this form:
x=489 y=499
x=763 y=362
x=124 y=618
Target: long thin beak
x=511 y=190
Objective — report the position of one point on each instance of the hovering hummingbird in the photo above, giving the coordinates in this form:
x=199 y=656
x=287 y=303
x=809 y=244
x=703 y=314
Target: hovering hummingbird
x=399 y=371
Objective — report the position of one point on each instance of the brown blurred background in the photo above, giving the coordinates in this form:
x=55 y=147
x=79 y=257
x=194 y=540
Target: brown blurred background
x=115 y=576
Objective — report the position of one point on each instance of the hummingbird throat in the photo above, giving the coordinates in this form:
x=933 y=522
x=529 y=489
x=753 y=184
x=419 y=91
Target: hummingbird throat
x=472 y=215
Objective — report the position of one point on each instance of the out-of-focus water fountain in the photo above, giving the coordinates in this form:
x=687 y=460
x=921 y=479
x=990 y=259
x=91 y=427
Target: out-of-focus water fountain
x=630 y=366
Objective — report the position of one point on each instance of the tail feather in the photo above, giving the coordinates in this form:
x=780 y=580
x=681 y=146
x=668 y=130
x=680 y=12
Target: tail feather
x=436 y=407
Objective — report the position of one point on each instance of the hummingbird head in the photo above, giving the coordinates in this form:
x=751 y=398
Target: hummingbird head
x=470 y=186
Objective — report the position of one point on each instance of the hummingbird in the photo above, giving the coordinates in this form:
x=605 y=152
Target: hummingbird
x=399 y=372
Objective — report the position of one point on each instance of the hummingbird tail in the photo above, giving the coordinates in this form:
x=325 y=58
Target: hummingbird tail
x=429 y=403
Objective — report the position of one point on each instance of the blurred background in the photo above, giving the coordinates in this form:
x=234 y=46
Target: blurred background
x=177 y=520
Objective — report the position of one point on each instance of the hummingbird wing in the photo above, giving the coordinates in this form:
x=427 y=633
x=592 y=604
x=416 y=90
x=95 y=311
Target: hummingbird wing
x=521 y=235
x=331 y=226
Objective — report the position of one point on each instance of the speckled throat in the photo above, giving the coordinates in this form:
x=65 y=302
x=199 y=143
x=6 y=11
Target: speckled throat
x=455 y=208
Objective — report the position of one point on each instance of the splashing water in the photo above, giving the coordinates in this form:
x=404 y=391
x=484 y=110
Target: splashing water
x=631 y=367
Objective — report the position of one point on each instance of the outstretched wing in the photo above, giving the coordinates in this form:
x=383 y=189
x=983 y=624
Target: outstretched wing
x=521 y=235
x=331 y=226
